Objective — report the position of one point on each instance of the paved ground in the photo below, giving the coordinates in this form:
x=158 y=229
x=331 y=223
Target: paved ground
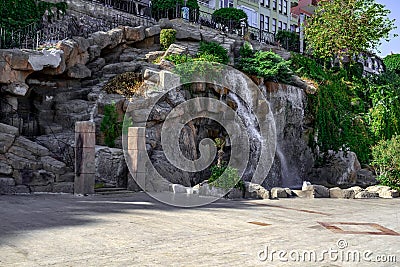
x=135 y=230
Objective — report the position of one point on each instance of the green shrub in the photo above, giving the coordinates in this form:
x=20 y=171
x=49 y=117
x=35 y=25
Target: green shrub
x=289 y=40
x=392 y=63
x=225 y=177
x=127 y=84
x=386 y=160
x=267 y=65
x=179 y=59
x=20 y=13
x=229 y=17
x=384 y=96
x=246 y=50
x=110 y=125
x=167 y=37
x=212 y=48
x=308 y=68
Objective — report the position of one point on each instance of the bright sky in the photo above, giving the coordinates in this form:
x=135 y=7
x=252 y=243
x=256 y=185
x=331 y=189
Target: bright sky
x=394 y=45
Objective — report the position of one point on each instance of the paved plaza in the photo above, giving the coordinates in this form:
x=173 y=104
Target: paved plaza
x=135 y=230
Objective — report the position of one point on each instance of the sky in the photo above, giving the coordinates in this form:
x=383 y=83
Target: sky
x=394 y=45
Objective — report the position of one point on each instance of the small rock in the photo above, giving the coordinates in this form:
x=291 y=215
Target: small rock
x=319 y=191
x=255 y=191
x=278 y=192
x=175 y=49
x=16 y=88
x=366 y=194
x=165 y=23
x=337 y=192
x=153 y=30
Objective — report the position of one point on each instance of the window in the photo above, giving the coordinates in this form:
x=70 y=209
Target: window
x=261 y=22
x=274 y=4
x=262 y=2
x=285 y=7
x=225 y=3
x=285 y=26
x=274 y=25
x=251 y=15
x=279 y=25
x=292 y=28
x=267 y=23
x=267 y=3
x=280 y=6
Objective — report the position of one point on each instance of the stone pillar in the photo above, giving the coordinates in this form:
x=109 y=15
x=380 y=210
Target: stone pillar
x=85 y=169
x=137 y=156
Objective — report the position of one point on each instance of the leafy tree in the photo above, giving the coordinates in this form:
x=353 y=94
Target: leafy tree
x=392 y=63
x=346 y=28
x=230 y=17
x=19 y=13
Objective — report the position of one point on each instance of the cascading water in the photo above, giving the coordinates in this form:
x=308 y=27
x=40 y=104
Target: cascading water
x=94 y=109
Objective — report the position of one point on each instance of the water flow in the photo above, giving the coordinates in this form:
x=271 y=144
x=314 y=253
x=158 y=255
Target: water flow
x=289 y=175
x=93 y=113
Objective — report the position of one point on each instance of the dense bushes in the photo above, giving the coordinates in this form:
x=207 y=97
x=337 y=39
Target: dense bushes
x=229 y=17
x=289 y=40
x=127 y=84
x=267 y=65
x=225 y=177
x=19 y=13
x=167 y=37
x=214 y=49
x=392 y=63
x=386 y=159
x=110 y=126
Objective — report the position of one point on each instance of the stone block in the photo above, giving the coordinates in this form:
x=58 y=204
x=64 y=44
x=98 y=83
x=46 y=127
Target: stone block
x=134 y=34
x=319 y=191
x=5 y=168
x=31 y=146
x=337 y=192
x=303 y=193
x=255 y=191
x=7 y=185
x=178 y=188
x=153 y=30
x=65 y=187
x=278 y=192
x=366 y=194
x=52 y=165
x=169 y=80
x=8 y=129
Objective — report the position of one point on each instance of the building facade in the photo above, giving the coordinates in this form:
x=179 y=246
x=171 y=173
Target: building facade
x=264 y=16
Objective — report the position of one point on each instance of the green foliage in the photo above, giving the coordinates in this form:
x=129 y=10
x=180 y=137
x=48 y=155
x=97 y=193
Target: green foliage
x=386 y=159
x=167 y=37
x=178 y=59
x=19 y=13
x=267 y=65
x=246 y=50
x=225 y=177
x=229 y=17
x=347 y=28
x=127 y=84
x=289 y=40
x=384 y=96
x=212 y=48
x=306 y=67
x=392 y=63
x=110 y=125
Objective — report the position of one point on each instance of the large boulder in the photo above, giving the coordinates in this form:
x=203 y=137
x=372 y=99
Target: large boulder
x=175 y=49
x=134 y=34
x=340 y=169
x=255 y=191
x=111 y=168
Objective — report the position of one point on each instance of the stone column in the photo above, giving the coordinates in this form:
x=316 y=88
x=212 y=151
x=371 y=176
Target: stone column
x=137 y=157
x=85 y=169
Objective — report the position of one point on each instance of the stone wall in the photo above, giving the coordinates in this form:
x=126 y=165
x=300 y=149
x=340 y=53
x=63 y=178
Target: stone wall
x=26 y=166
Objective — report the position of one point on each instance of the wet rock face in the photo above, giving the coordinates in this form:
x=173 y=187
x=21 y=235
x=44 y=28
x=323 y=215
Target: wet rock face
x=293 y=157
